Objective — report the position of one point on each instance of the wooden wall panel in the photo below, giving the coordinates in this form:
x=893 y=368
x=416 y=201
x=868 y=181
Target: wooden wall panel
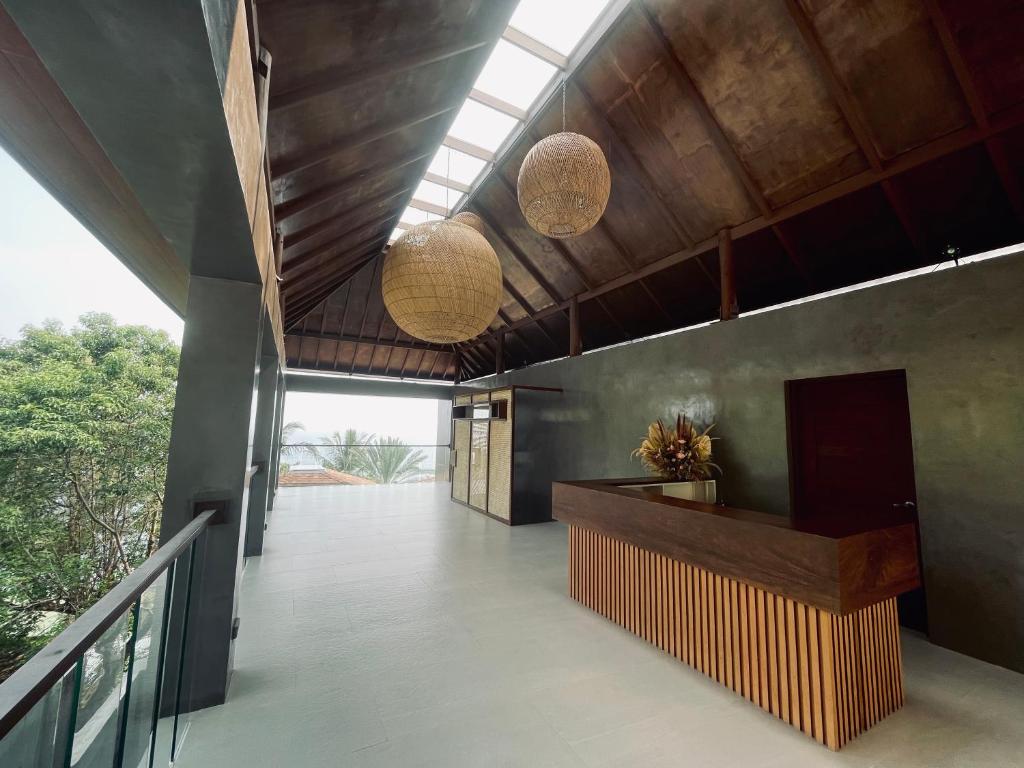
x=832 y=677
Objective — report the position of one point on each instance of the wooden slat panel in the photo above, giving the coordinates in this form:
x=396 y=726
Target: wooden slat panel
x=830 y=676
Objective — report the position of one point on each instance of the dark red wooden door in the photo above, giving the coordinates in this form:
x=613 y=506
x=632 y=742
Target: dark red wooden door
x=851 y=453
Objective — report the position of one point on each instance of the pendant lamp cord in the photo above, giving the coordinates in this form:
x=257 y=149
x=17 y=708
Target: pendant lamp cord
x=563 y=105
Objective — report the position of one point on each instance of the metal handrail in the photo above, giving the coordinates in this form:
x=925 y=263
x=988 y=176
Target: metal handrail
x=360 y=445
x=22 y=690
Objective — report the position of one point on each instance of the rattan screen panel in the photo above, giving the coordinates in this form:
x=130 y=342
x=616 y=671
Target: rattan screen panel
x=463 y=400
x=460 y=476
x=481 y=398
x=499 y=490
x=478 y=466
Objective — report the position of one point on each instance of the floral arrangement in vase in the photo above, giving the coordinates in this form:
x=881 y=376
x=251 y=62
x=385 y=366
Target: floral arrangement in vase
x=682 y=454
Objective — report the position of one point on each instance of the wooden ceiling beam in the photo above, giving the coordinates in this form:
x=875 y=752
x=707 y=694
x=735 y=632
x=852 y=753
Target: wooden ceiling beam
x=293 y=267
x=793 y=253
x=519 y=256
x=527 y=308
x=707 y=117
x=574 y=265
x=304 y=305
x=341 y=325
x=295 y=205
x=293 y=239
x=899 y=206
x=915 y=158
x=366 y=310
x=291 y=284
x=957 y=62
x=685 y=239
x=842 y=97
x=286 y=166
x=630 y=264
x=994 y=145
x=343 y=77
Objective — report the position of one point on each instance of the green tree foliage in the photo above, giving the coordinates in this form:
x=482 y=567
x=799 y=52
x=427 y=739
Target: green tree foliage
x=342 y=454
x=390 y=460
x=381 y=459
x=85 y=419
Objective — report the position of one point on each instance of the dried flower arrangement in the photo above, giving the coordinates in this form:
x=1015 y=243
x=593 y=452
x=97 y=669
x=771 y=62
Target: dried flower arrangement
x=682 y=454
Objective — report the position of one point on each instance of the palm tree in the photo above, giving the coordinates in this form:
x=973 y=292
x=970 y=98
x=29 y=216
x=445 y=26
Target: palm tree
x=390 y=460
x=289 y=444
x=345 y=452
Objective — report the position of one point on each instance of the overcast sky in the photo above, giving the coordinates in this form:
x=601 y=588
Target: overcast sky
x=52 y=267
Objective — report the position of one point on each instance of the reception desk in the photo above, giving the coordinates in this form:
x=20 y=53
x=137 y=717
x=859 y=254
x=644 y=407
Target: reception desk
x=799 y=619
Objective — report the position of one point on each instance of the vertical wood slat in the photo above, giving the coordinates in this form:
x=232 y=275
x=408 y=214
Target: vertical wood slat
x=830 y=676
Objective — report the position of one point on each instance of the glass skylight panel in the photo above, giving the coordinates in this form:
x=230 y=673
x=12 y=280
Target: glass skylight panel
x=479 y=124
x=457 y=166
x=559 y=25
x=396 y=233
x=436 y=194
x=416 y=216
x=514 y=75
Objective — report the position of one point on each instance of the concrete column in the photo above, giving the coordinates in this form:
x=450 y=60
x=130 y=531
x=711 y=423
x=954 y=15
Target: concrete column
x=210 y=452
x=262 y=452
x=275 y=468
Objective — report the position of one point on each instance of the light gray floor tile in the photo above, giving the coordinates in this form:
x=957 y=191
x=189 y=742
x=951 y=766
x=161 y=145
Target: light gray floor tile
x=387 y=626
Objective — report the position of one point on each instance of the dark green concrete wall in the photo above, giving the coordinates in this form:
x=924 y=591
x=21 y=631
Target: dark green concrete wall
x=959 y=335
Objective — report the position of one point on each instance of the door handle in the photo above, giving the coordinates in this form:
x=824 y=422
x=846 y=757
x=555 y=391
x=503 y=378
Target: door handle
x=905 y=505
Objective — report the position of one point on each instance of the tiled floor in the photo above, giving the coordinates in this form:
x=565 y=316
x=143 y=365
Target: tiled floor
x=386 y=626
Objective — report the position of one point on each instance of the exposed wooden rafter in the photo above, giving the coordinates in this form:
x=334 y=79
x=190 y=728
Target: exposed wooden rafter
x=360 y=138
x=293 y=266
x=710 y=122
x=293 y=239
x=295 y=205
x=996 y=151
x=346 y=77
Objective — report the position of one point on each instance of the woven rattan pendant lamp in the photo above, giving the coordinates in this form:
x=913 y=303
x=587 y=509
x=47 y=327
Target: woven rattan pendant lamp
x=564 y=183
x=441 y=281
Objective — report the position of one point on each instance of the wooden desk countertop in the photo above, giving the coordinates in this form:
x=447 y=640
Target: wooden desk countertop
x=838 y=568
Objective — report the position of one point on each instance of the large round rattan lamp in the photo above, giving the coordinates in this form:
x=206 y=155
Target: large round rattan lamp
x=441 y=282
x=564 y=184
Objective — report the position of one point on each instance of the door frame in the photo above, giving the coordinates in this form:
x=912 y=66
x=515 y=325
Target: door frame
x=792 y=387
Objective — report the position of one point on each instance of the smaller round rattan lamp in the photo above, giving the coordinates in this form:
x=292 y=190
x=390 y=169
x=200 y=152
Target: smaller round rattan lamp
x=470 y=219
x=441 y=282
x=564 y=184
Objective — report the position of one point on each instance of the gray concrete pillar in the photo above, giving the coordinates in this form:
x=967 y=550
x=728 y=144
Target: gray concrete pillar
x=275 y=473
x=262 y=452
x=210 y=453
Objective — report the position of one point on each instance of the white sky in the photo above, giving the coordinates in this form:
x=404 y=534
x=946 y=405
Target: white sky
x=414 y=420
x=52 y=267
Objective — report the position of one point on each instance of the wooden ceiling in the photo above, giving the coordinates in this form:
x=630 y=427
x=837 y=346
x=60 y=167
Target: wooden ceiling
x=834 y=141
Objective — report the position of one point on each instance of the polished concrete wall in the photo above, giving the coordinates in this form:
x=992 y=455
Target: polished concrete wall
x=959 y=335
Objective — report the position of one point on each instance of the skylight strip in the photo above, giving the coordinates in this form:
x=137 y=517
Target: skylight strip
x=581 y=52
x=499 y=104
x=469 y=149
x=437 y=178
x=423 y=205
x=536 y=47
